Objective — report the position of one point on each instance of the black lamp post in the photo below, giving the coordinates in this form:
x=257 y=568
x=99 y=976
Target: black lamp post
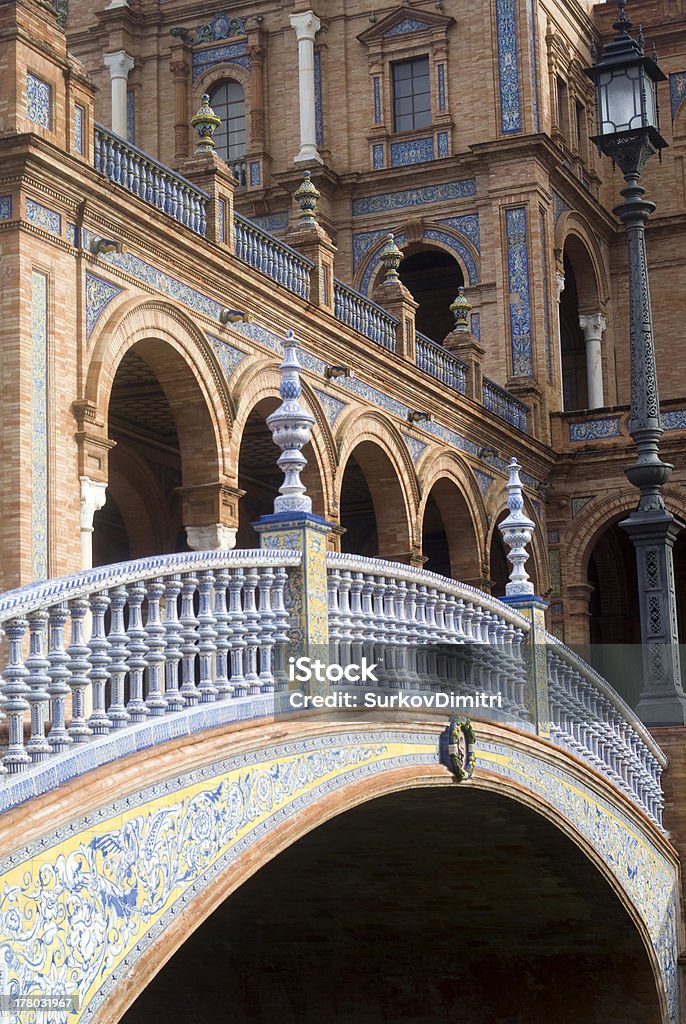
x=628 y=125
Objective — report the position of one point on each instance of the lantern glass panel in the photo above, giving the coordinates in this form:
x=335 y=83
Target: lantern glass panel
x=620 y=100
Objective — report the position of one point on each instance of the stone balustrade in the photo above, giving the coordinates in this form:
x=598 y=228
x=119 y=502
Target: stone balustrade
x=272 y=257
x=504 y=405
x=364 y=316
x=441 y=364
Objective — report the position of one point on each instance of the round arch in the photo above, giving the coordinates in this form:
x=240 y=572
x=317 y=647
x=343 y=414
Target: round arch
x=439 y=236
x=218 y=73
x=573 y=228
x=446 y=477
x=652 y=911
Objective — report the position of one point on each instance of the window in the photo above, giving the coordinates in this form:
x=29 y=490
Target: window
x=227 y=99
x=411 y=94
x=580 y=127
x=562 y=106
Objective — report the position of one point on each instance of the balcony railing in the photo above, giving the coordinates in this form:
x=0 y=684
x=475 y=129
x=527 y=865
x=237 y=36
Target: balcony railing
x=441 y=364
x=504 y=405
x=157 y=185
x=272 y=257
x=364 y=316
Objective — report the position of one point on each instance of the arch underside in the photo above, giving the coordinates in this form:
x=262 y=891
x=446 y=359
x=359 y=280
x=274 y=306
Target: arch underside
x=137 y=877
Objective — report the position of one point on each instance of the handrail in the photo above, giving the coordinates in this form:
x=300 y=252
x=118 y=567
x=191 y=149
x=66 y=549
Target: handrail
x=363 y=315
x=272 y=257
x=504 y=405
x=441 y=364
x=126 y=165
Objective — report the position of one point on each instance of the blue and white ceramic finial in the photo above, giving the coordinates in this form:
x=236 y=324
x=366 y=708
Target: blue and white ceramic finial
x=291 y=427
x=517 y=531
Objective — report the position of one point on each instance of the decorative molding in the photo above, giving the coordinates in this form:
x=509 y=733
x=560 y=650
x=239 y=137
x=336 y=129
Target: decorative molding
x=677 y=91
x=508 y=67
x=332 y=406
x=234 y=53
x=417 y=151
x=99 y=294
x=222 y=26
x=468 y=225
x=39 y=424
x=642 y=871
x=43 y=216
x=594 y=429
x=414 y=197
x=228 y=356
x=38 y=101
x=415 y=447
x=408 y=25
x=519 y=289
x=5 y=207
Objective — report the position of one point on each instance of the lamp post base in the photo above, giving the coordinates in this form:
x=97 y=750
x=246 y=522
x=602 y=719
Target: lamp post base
x=653 y=532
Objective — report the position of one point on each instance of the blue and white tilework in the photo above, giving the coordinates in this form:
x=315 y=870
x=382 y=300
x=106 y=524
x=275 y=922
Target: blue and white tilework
x=433 y=234
x=475 y=325
x=642 y=871
x=559 y=206
x=594 y=429
x=414 y=197
x=235 y=53
x=255 y=173
x=221 y=220
x=675 y=419
x=39 y=425
x=484 y=481
x=677 y=90
x=99 y=294
x=508 y=66
x=546 y=303
x=467 y=225
x=318 y=104
x=162 y=282
x=363 y=242
x=228 y=356
x=407 y=25
x=332 y=406
x=580 y=503
x=520 y=302
x=441 y=88
x=415 y=447
x=78 y=128
x=418 y=151
x=5 y=207
x=271 y=221
x=377 y=156
x=38 y=101
x=131 y=116
x=43 y=216
x=531 y=15
x=71 y=233
x=442 y=142
x=377 y=99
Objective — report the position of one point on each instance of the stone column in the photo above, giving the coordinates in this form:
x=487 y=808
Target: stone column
x=257 y=54
x=119 y=65
x=92 y=499
x=306 y=26
x=179 y=69
x=593 y=326
x=560 y=287
x=215 y=537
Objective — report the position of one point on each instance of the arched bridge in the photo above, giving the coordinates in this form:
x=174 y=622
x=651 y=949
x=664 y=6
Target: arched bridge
x=168 y=758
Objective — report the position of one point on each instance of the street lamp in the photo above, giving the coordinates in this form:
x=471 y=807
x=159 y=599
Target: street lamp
x=628 y=132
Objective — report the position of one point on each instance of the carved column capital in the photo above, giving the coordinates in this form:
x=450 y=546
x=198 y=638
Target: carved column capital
x=593 y=325
x=119 y=63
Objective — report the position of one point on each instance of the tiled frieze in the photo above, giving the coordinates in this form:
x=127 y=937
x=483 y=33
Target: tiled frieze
x=43 y=216
x=38 y=101
x=235 y=53
x=271 y=221
x=332 y=406
x=99 y=294
x=475 y=325
x=559 y=206
x=533 y=60
x=417 y=151
x=407 y=25
x=415 y=447
x=519 y=289
x=5 y=207
x=441 y=88
x=468 y=225
x=546 y=302
x=39 y=424
x=409 y=197
x=484 y=481
x=228 y=356
x=594 y=429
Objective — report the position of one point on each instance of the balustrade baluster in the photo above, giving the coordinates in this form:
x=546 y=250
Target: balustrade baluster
x=252 y=619
x=281 y=622
x=155 y=700
x=99 y=659
x=189 y=634
x=58 y=687
x=38 y=679
x=266 y=626
x=116 y=712
x=207 y=636
x=79 y=666
x=172 y=642
x=221 y=616
x=15 y=692
x=137 y=649
x=238 y=630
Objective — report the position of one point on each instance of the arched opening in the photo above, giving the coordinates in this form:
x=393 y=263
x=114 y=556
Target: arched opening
x=165 y=441
x=260 y=477
x=499 y=567
x=227 y=99
x=371 y=506
x=448 y=537
x=433 y=277
x=429 y=905
x=574 y=378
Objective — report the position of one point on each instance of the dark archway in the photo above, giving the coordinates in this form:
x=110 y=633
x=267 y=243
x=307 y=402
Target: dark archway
x=574 y=378
x=448 y=536
x=372 y=508
x=260 y=477
x=433 y=276
x=432 y=905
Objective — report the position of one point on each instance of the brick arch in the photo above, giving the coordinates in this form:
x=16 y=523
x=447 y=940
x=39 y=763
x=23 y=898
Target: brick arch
x=360 y=426
x=537 y=566
x=260 y=380
x=574 y=233
x=219 y=73
x=462 y=511
x=437 y=235
x=187 y=369
x=530 y=764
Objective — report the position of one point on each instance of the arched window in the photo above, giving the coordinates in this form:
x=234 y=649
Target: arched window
x=227 y=99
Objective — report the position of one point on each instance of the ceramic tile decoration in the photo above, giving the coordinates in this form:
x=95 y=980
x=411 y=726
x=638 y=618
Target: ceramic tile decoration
x=131 y=116
x=442 y=143
x=580 y=503
x=255 y=173
x=594 y=429
x=99 y=294
x=475 y=325
x=318 y=102
x=377 y=99
x=559 y=206
x=78 y=128
x=203 y=60
x=433 y=234
x=484 y=481
x=674 y=419
x=38 y=101
x=363 y=242
x=508 y=66
x=415 y=447
x=546 y=302
x=533 y=60
x=518 y=280
x=677 y=90
x=441 y=88
x=419 y=151
x=5 y=207
x=39 y=424
x=271 y=221
x=405 y=198
x=331 y=406
x=407 y=25
x=378 y=156
x=466 y=224
x=43 y=216
x=228 y=356
x=221 y=220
